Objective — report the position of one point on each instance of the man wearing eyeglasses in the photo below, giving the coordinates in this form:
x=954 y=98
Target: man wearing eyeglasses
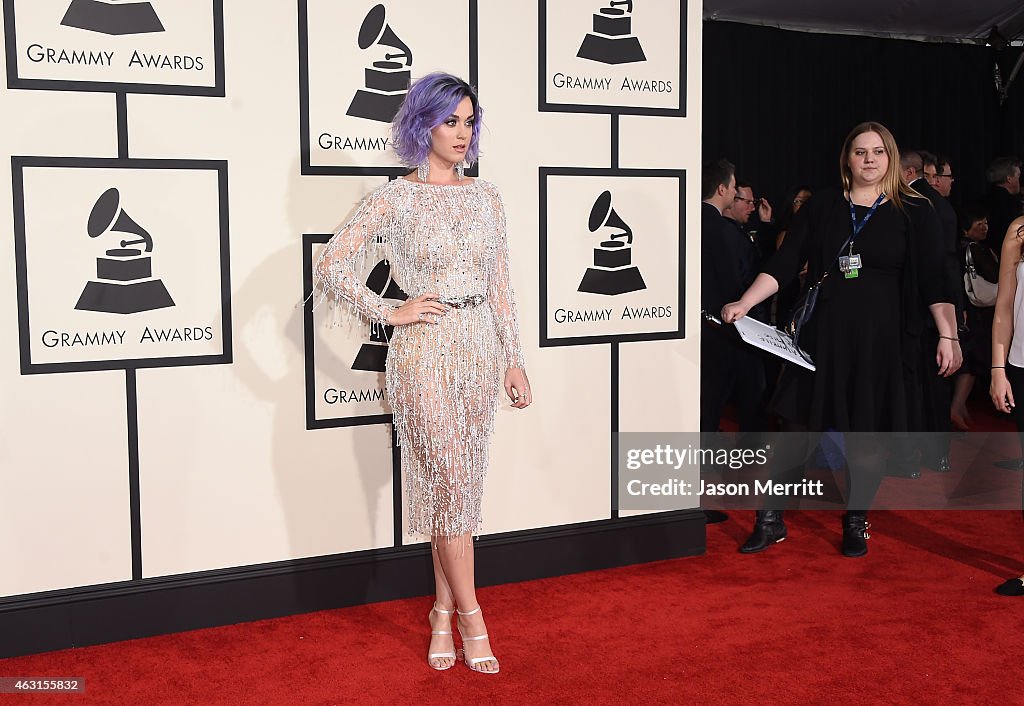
x=939 y=173
x=743 y=206
x=943 y=176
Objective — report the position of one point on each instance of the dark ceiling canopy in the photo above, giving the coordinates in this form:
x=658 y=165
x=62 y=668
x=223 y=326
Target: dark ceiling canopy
x=932 y=20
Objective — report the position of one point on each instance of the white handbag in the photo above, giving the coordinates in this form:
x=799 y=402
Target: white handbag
x=980 y=292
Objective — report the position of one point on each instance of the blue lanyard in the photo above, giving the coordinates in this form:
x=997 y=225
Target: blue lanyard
x=858 y=226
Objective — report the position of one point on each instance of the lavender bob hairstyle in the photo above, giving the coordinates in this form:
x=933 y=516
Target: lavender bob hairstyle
x=428 y=103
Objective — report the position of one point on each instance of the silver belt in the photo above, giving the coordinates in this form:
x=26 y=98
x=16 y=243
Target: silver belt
x=467 y=302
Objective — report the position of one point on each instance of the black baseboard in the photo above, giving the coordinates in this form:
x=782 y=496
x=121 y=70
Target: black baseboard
x=42 y=622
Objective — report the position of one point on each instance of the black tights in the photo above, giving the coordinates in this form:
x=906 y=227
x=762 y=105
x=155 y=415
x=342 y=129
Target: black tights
x=865 y=464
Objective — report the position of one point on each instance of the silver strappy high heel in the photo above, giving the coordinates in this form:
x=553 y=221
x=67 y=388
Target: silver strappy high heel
x=472 y=662
x=440 y=655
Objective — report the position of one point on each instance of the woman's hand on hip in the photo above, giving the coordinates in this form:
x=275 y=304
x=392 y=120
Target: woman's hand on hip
x=421 y=310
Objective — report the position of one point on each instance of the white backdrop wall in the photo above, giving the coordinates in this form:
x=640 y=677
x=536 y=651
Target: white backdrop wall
x=229 y=472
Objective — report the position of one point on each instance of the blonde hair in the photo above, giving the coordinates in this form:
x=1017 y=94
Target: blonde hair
x=892 y=184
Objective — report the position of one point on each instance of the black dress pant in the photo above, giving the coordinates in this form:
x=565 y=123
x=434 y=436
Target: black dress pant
x=730 y=369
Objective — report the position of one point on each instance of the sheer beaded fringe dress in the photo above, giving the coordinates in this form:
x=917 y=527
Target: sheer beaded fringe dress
x=443 y=380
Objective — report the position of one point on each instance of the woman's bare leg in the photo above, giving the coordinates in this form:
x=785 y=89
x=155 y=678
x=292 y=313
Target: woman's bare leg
x=444 y=600
x=958 y=413
x=457 y=563
x=443 y=592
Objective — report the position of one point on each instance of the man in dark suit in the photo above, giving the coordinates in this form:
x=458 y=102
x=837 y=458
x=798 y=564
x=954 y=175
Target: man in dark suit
x=1002 y=201
x=938 y=391
x=744 y=206
x=727 y=263
x=912 y=164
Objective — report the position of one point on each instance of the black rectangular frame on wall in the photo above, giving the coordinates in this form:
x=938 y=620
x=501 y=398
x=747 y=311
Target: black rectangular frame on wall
x=545 y=106
x=312 y=422
x=18 y=165
x=305 y=166
x=14 y=80
x=546 y=341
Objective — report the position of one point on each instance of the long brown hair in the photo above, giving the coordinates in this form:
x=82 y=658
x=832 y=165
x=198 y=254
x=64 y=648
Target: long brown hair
x=892 y=184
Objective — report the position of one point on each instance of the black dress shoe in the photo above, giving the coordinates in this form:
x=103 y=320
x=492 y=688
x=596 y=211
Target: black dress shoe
x=855 y=534
x=943 y=465
x=1012 y=587
x=769 y=529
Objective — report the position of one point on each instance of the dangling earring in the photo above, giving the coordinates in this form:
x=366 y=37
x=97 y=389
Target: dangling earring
x=460 y=170
x=423 y=171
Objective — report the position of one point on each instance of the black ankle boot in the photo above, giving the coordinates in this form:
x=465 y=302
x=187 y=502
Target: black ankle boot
x=768 y=530
x=855 y=533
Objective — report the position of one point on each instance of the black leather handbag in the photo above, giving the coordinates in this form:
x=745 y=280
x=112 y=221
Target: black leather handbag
x=803 y=310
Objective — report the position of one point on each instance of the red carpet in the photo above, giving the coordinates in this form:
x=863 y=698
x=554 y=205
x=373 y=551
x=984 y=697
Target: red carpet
x=914 y=621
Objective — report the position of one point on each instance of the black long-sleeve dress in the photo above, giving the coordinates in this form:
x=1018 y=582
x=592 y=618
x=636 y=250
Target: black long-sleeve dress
x=865 y=334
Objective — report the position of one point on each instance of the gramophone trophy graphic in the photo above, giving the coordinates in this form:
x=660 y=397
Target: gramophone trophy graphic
x=373 y=355
x=124 y=281
x=613 y=271
x=112 y=17
x=386 y=82
x=611 y=42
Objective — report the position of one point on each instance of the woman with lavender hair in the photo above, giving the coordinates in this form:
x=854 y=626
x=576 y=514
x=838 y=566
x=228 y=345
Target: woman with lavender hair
x=455 y=339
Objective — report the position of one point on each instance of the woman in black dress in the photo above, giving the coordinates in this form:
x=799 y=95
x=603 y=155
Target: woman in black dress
x=789 y=294
x=865 y=334
x=978 y=319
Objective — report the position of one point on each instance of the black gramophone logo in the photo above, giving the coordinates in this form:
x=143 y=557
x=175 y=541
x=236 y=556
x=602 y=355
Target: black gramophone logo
x=386 y=81
x=373 y=355
x=612 y=41
x=112 y=17
x=613 y=271
x=124 y=281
